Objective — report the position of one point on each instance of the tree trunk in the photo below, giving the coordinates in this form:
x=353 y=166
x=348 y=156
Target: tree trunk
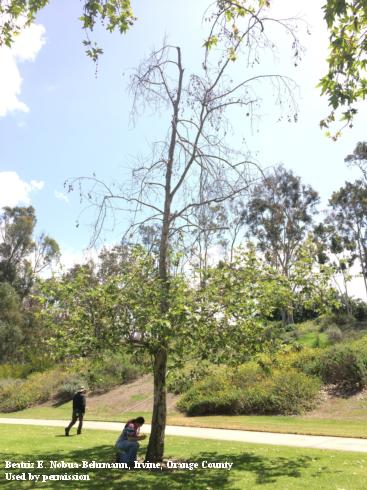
x=156 y=439
x=287 y=316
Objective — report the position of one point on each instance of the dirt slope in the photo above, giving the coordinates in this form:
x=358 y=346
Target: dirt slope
x=132 y=397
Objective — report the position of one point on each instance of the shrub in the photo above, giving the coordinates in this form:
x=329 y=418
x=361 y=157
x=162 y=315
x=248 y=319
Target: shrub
x=67 y=390
x=256 y=399
x=359 y=308
x=285 y=391
x=14 y=370
x=248 y=374
x=37 y=388
x=293 y=392
x=109 y=371
x=345 y=366
x=307 y=360
x=334 y=334
x=198 y=402
x=180 y=380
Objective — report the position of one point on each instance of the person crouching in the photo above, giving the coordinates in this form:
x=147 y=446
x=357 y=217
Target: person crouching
x=127 y=444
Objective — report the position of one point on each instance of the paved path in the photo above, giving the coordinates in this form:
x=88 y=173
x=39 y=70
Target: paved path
x=316 y=442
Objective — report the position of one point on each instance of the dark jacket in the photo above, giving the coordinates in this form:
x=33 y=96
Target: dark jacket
x=79 y=402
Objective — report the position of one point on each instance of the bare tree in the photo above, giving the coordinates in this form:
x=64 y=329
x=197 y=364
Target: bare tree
x=168 y=190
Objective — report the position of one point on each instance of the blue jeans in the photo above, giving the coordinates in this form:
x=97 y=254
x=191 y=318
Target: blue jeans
x=128 y=451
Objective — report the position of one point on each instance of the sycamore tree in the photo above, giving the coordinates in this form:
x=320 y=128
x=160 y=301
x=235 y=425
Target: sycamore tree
x=16 y=15
x=345 y=83
x=196 y=150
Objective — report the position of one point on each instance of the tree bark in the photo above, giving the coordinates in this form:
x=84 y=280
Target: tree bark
x=287 y=316
x=156 y=440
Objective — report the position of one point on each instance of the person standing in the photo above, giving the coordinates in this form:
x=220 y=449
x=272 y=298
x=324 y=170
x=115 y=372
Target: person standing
x=79 y=404
x=127 y=444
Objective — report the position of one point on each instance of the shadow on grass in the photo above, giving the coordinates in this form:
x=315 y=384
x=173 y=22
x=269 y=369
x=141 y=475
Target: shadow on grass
x=266 y=470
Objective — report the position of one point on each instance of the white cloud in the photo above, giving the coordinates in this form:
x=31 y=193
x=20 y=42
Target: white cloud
x=61 y=196
x=25 y=48
x=15 y=191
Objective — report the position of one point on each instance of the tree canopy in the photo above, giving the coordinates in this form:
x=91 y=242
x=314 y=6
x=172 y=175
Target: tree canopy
x=112 y=14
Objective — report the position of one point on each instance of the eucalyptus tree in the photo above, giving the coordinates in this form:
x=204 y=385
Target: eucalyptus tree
x=21 y=256
x=349 y=213
x=338 y=250
x=359 y=158
x=279 y=216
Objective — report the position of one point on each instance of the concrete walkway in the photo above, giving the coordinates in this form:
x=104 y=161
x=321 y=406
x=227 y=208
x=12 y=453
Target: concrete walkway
x=315 y=442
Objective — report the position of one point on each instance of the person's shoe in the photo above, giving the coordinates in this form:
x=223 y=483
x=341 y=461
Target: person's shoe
x=79 y=432
x=66 y=431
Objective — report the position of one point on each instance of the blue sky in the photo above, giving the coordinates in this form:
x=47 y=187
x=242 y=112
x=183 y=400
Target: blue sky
x=66 y=122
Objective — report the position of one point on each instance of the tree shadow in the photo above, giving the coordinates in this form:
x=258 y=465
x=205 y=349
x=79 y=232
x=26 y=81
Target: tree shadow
x=265 y=469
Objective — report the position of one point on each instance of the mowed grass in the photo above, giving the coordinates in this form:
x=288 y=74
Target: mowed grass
x=254 y=466
x=356 y=427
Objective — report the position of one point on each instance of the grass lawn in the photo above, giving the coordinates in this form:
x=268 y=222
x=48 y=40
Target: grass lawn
x=314 y=339
x=254 y=466
x=291 y=424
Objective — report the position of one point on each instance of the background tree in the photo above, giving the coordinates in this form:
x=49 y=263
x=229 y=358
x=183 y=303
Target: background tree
x=21 y=257
x=359 y=158
x=279 y=216
x=11 y=320
x=340 y=252
x=349 y=213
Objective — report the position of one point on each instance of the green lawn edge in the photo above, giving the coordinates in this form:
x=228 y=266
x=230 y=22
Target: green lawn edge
x=254 y=466
x=261 y=423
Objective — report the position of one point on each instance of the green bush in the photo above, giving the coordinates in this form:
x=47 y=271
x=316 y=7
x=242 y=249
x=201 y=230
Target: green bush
x=248 y=390
x=198 y=402
x=14 y=370
x=67 y=390
x=180 y=380
x=334 y=334
x=359 y=310
x=345 y=366
x=293 y=392
x=109 y=371
x=37 y=388
x=307 y=360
